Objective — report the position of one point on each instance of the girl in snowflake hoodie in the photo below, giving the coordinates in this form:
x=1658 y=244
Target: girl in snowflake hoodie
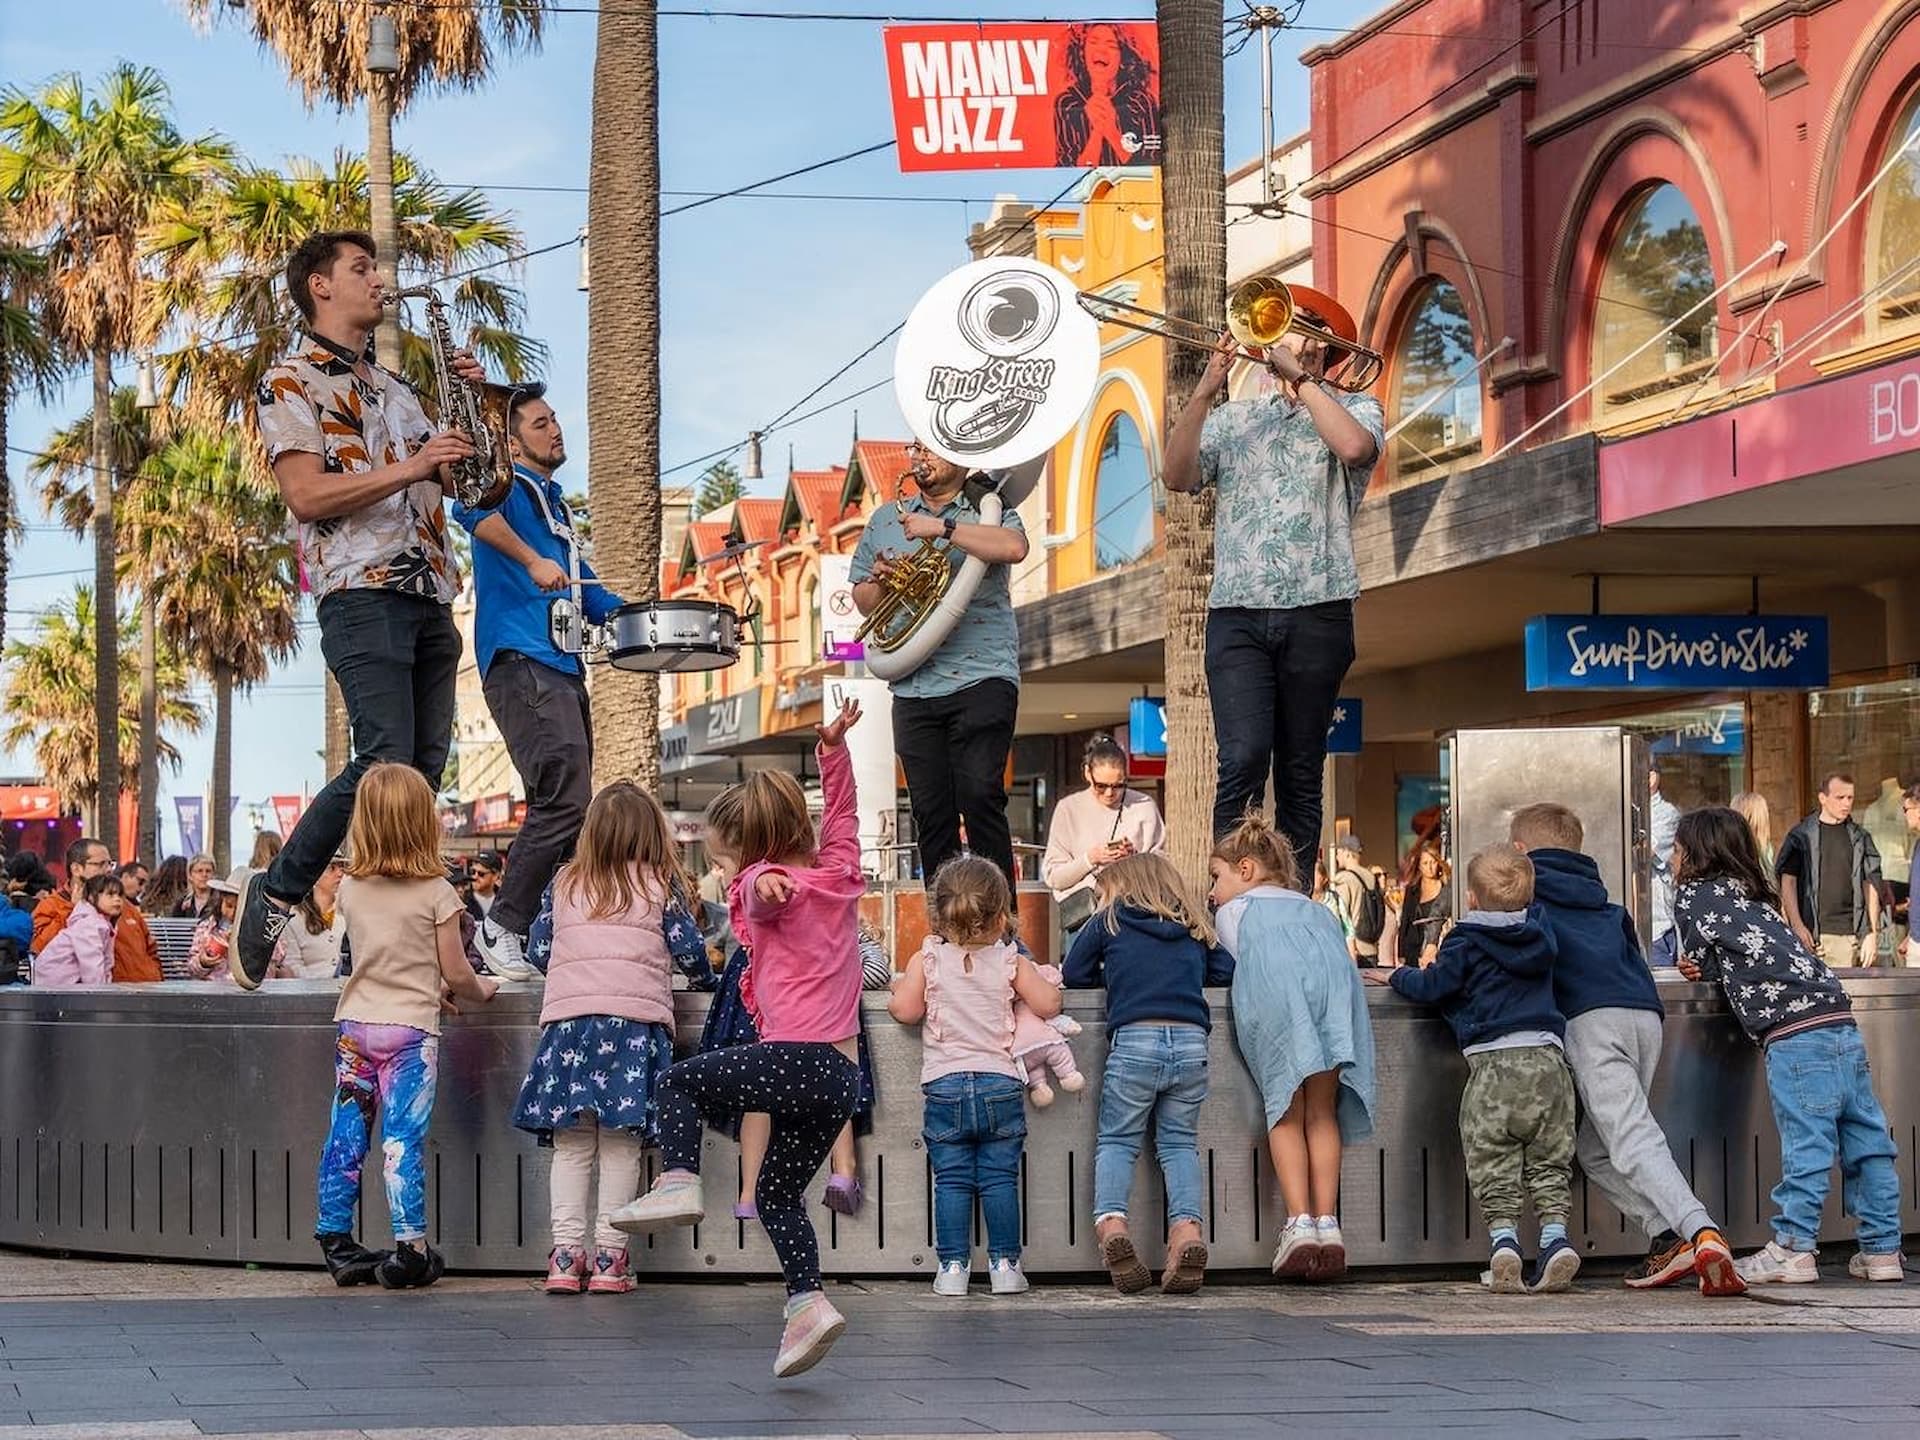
x=1731 y=931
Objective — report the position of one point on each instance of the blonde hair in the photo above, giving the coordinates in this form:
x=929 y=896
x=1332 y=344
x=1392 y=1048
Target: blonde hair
x=1270 y=851
x=625 y=842
x=763 y=818
x=395 y=831
x=1150 y=883
x=1500 y=878
x=1546 y=826
x=1753 y=808
x=970 y=902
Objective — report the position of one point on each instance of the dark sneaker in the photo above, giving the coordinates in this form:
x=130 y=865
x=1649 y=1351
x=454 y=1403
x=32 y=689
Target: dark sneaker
x=1555 y=1269
x=1664 y=1265
x=1503 y=1268
x=348 y=1261
x=410 y=1268
x=262 y=921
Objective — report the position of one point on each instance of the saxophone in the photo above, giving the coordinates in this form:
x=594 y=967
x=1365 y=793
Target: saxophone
x=483 y=480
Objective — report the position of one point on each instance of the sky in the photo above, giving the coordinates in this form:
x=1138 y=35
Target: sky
x=764 y=297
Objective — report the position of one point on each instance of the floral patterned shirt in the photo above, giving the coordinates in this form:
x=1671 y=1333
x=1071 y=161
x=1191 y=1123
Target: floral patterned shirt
x=1283 y=526
x=314 y=401
x=1774 y=985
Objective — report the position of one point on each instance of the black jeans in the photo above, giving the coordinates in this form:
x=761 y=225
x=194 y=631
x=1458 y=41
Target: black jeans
x=1274 y=676
x=542 y=714
x=395 y=657
x=954 y=750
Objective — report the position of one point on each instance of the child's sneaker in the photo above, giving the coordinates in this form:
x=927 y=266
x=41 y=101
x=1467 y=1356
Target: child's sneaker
x=1713 y=1263
x=1299 y=1249
x=1555 y=1268
x=1665 y=1263
x=812 y=1327
x=566 y=1271
x=746 y=1210
x=953 y=1279
x=1503 y=1268
x=1890 y=1266
x=407 y=1267
x=610 y=1275
x=1008 y=1278
x=1773 y=1264
x=1331 y=1263
x=843 y=1195
x=674 y=1200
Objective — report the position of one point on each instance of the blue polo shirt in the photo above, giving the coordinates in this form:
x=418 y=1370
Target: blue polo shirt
x=985 y=645
x=510 y=611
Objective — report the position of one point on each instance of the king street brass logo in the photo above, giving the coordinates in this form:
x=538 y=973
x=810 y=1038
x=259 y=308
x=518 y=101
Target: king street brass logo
x=1004 y=317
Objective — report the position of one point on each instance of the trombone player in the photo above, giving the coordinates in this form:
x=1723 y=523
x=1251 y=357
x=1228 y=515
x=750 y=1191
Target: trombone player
x=1290 y=468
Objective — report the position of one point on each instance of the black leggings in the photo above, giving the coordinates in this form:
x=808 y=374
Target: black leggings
x=808 y=1088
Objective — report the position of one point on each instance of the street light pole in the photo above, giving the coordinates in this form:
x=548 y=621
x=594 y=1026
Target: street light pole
x=383 y=63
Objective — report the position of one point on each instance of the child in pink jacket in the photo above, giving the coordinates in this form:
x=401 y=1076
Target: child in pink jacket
x=82 y=953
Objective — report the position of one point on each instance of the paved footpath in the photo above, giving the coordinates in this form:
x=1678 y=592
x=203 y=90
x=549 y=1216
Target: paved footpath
x=140 y=1352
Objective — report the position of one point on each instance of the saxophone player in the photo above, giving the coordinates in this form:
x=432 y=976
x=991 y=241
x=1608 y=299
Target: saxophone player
x=365 y=475
x=952 y=715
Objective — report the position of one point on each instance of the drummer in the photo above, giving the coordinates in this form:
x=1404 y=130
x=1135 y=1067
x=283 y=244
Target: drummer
x=536 y=692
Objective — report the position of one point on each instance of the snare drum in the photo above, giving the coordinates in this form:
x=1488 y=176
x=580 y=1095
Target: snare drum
x=673 y=635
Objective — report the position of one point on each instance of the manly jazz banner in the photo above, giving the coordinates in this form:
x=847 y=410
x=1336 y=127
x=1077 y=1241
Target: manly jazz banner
x=1025 y=96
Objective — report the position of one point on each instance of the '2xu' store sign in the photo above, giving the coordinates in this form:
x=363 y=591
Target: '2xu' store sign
x=1676 y=652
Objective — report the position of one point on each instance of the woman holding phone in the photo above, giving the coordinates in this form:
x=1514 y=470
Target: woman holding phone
x=1094 y=827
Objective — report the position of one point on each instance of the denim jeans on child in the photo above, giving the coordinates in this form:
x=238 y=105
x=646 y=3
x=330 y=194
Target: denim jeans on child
x=1158 y=1072
x=391 y=1068
x=975 y=1128
x=1823 y=1106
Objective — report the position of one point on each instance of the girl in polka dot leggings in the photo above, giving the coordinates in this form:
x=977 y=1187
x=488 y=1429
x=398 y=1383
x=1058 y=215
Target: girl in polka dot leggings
x=794 y=905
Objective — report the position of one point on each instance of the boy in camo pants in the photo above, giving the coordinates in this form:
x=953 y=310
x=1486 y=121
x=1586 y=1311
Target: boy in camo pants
x=1493 y=983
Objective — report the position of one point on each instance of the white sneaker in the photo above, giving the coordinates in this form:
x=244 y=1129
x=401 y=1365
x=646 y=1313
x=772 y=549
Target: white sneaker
x=1299 y=1249
x=1891 y=1266
x=504 y=954
x=674 y=1200
x=812 y=1327
x=953 y=1279
x=1008 y=1278
x=1332 y=1261
x=1773 y=1265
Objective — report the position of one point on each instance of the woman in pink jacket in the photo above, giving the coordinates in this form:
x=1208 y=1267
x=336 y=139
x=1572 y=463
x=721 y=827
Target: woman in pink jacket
x=82 y=953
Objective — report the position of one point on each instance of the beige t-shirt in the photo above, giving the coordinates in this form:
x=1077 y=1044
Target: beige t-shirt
x=396 y=957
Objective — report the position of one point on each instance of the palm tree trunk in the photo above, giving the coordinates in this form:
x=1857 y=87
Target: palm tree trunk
x=1193 y=184
x=106 y=611
x=146 y=845
x=221 y=800
x=386 y=231
x=623 y=367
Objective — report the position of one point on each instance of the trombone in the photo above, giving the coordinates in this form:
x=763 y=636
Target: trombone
x=1259 y=312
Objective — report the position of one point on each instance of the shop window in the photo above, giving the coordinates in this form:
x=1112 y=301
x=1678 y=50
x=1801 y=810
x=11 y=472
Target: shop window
x=1701 y=750
x=1871 y=732
x=1126 y=498
x=1657 y=270
x=1433 y=374
x=1893 y=244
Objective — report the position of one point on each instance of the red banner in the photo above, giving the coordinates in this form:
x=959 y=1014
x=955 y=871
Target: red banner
x=1024 y=96
x=286 y=811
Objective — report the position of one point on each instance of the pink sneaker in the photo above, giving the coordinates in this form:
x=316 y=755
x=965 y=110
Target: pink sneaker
x=812 y=1327
x=566 y=1271
x=843 y=1195
x=610 y=1276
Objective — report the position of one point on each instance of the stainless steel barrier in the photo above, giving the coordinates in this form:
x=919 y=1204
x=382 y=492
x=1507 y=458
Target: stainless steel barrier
x=182 y=1121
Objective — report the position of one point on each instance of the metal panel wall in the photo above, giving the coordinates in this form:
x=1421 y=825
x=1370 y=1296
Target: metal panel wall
x=182 y=1121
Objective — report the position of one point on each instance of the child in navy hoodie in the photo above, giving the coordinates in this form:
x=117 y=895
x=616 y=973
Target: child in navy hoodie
x=1603 y=986
x=1493 y=982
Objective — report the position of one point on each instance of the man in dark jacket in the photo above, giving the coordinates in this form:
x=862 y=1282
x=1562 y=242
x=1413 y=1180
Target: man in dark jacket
x=1829 y=871
x=1602 y=985
x=1493 y=983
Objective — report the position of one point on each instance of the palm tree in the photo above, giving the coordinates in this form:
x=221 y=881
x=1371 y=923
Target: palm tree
x=82 y=174
x=623 y=366
x=28 y=361
x=720 y=485
x=1191 y=171
x=209 y=541
x=49 y=699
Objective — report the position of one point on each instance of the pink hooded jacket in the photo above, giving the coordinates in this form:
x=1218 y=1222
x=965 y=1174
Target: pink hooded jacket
x=81 y=954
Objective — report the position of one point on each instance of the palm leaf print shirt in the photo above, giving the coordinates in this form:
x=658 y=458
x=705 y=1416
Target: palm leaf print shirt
x=315 y=401
x=1283 y=524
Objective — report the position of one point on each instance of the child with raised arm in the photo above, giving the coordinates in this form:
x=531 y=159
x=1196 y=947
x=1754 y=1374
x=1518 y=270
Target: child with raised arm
x=794 y=905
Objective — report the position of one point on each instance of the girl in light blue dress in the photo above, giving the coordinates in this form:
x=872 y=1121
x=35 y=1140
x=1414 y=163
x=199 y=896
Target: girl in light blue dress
x=1300 y=1020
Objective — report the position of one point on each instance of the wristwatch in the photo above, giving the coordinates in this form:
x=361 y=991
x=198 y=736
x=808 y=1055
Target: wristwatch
x=951 y=527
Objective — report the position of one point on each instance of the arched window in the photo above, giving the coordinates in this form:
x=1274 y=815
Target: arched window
x=1433 y=374
x=1657 y=270
x=1126 y=496
x=1893 y=232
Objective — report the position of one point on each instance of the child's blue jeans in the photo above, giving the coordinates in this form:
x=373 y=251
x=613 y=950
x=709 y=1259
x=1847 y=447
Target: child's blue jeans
x=1824 y=1106
x=1156 y=1072
x=975 y=1128
x=379 y=1067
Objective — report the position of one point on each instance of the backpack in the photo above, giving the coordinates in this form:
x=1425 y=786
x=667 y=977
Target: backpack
x=1370 y=914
